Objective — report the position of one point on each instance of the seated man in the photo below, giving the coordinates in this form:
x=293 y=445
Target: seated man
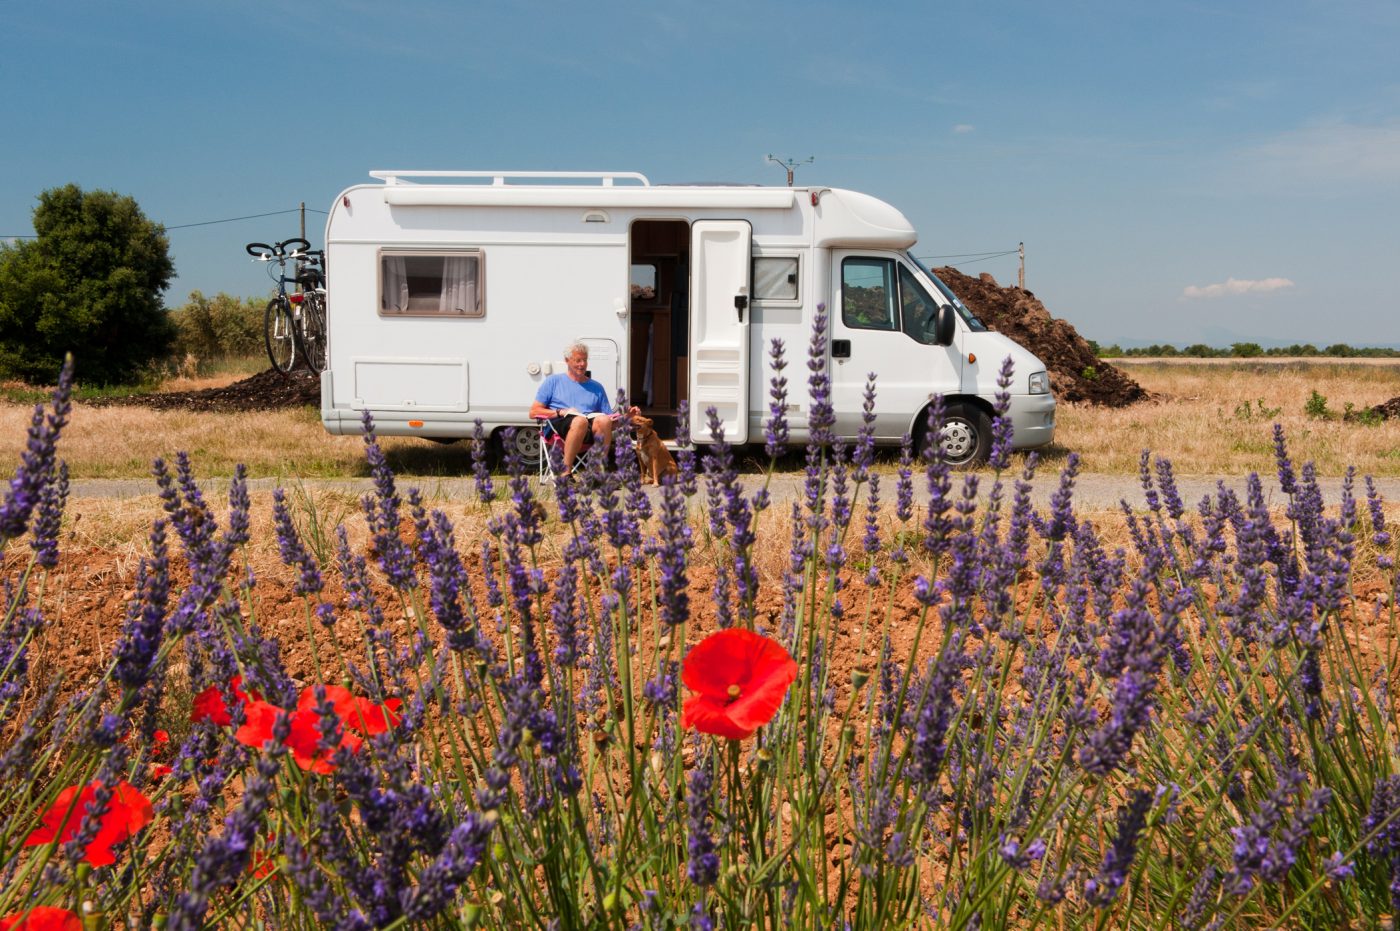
x=571 y=402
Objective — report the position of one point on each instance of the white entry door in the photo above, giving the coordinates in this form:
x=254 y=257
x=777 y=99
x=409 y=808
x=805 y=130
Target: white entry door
x=721 y=261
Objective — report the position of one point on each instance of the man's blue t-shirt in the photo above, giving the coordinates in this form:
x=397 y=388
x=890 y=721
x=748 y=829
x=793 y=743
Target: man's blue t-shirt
x=560 y=391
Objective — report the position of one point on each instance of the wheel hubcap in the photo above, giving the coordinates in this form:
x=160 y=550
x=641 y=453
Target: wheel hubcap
x=527 y=444
x=958 y=440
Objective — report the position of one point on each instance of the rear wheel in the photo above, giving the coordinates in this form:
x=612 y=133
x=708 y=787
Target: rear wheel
x=279 y=333
x=311 y=337
x=967 y=436
x=525 y=444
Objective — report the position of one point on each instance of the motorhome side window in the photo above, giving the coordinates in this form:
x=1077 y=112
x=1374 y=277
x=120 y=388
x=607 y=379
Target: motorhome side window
x=431 y=284
x=868 y=293
x=775 y=278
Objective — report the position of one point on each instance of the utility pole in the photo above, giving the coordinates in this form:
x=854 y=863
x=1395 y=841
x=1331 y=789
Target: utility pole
x=303 y=219
x=791 y=164
x=1021 y=277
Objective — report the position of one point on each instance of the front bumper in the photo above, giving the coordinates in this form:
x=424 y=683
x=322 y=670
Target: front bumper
x=1033 y=417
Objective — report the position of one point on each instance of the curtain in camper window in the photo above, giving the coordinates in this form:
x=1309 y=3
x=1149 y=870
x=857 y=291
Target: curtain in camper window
x=458 y=285
x=395 y=284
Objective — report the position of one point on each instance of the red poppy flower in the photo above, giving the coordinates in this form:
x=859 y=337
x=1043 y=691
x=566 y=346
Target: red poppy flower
x=262 y=863
x=370 y=718
x=209 y=704
x=305 y=737
x=741 y=678
x=159 y=771
x=42 y=918
x=128 y=811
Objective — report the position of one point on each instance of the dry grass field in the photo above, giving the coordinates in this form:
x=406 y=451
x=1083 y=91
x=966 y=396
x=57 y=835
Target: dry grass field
x=1216 y=418
x=1209 y=419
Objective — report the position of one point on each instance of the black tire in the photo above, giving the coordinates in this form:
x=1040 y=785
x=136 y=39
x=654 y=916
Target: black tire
x=527 y=447
x=967 y=436
x=279 y=334
x=311 y=335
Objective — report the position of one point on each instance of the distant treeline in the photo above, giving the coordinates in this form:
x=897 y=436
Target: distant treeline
x=1245 y=351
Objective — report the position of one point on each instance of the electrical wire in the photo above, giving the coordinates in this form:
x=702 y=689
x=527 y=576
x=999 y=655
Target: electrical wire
x=185 y=226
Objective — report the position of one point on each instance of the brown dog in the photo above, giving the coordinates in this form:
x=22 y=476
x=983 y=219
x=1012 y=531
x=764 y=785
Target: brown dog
x=652 y=455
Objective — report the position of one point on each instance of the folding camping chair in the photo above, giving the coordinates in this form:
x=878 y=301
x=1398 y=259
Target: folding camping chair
x=552 y=451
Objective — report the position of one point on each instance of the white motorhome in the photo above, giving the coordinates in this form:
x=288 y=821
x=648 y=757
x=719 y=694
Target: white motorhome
x=453 y=294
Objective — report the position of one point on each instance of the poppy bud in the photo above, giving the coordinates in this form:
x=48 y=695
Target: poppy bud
x=859 y=676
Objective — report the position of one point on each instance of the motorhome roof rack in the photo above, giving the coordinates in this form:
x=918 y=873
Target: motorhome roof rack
x=502 y=178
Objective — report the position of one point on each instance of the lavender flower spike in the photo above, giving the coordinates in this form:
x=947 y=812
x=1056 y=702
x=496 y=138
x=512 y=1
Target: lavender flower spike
x=36 y=462
x=1103 y=887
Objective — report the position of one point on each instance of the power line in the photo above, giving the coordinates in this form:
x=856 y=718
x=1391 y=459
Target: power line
x=970 y=255
x=185 y=226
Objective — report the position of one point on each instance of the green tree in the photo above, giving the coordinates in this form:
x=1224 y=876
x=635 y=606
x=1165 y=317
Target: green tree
x=1246 y=350
x=90 y=283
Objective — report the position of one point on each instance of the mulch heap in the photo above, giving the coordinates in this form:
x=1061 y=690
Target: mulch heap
x=1390 y=410
x=265 y=391
x=1076 y=374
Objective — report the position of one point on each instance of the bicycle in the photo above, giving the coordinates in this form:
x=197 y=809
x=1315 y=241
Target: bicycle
x=294 y=322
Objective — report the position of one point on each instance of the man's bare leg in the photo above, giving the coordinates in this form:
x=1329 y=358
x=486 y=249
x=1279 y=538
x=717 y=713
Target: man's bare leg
x=573 y=442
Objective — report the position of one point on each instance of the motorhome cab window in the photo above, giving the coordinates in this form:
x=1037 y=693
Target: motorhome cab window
x=918 y=309
x=431 y=284
x=868 y=294
x=775 y=278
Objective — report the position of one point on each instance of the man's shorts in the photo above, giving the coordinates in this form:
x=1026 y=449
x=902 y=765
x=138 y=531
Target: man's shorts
x=561 y=425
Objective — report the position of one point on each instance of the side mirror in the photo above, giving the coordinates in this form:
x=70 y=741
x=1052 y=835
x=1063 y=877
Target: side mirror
x=945 y=325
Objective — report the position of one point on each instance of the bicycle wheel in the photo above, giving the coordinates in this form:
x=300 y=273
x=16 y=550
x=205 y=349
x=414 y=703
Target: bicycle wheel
x=279 y=333
x=311 y=335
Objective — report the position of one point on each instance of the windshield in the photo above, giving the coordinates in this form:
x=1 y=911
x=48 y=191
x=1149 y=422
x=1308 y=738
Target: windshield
x=968 y=316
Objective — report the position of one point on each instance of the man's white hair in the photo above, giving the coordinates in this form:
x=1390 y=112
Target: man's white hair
x=574 y=347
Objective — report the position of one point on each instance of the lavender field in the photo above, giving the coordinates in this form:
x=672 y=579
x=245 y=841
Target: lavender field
x=712 y=712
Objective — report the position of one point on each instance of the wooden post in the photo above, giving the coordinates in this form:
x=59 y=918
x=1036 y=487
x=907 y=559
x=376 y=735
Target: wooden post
x=1021 y=276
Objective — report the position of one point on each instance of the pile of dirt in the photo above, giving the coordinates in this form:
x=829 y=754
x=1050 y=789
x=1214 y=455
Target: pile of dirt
x=1390 y=410
x=265 y=391
x=1076 y=374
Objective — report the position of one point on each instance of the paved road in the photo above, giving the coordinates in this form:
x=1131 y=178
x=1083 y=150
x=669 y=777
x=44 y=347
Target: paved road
x=1093 y=491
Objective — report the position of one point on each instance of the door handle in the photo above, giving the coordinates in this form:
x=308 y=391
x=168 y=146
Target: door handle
x=840 y=349
x=741 y=301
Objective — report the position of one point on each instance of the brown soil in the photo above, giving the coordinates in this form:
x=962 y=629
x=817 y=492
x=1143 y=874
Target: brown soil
x=1387 y=411
x=1076 y=373
x=265 y=391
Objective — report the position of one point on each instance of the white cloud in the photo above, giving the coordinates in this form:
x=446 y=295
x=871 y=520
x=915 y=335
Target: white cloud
x=1233 y=286
x=963 y=129
x=1333 y=151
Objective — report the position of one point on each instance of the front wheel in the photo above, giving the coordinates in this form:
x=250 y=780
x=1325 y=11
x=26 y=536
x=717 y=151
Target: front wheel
x=279 y=333
x=967 y=436
x=311 y=337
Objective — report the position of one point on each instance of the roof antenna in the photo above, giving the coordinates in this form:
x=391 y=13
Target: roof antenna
x=791 y=164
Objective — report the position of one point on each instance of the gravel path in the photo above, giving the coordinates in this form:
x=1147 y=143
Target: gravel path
x=1093 y=491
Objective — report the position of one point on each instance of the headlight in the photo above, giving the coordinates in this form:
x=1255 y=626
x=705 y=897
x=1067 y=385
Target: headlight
x=1040 y=383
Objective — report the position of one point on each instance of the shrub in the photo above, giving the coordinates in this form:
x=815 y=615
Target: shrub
x=90 y=282
x=1316 y=406
x=219 y=327
x=996 y=723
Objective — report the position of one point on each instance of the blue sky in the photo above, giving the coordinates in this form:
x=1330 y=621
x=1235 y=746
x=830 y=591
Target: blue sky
x=1179 y=172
